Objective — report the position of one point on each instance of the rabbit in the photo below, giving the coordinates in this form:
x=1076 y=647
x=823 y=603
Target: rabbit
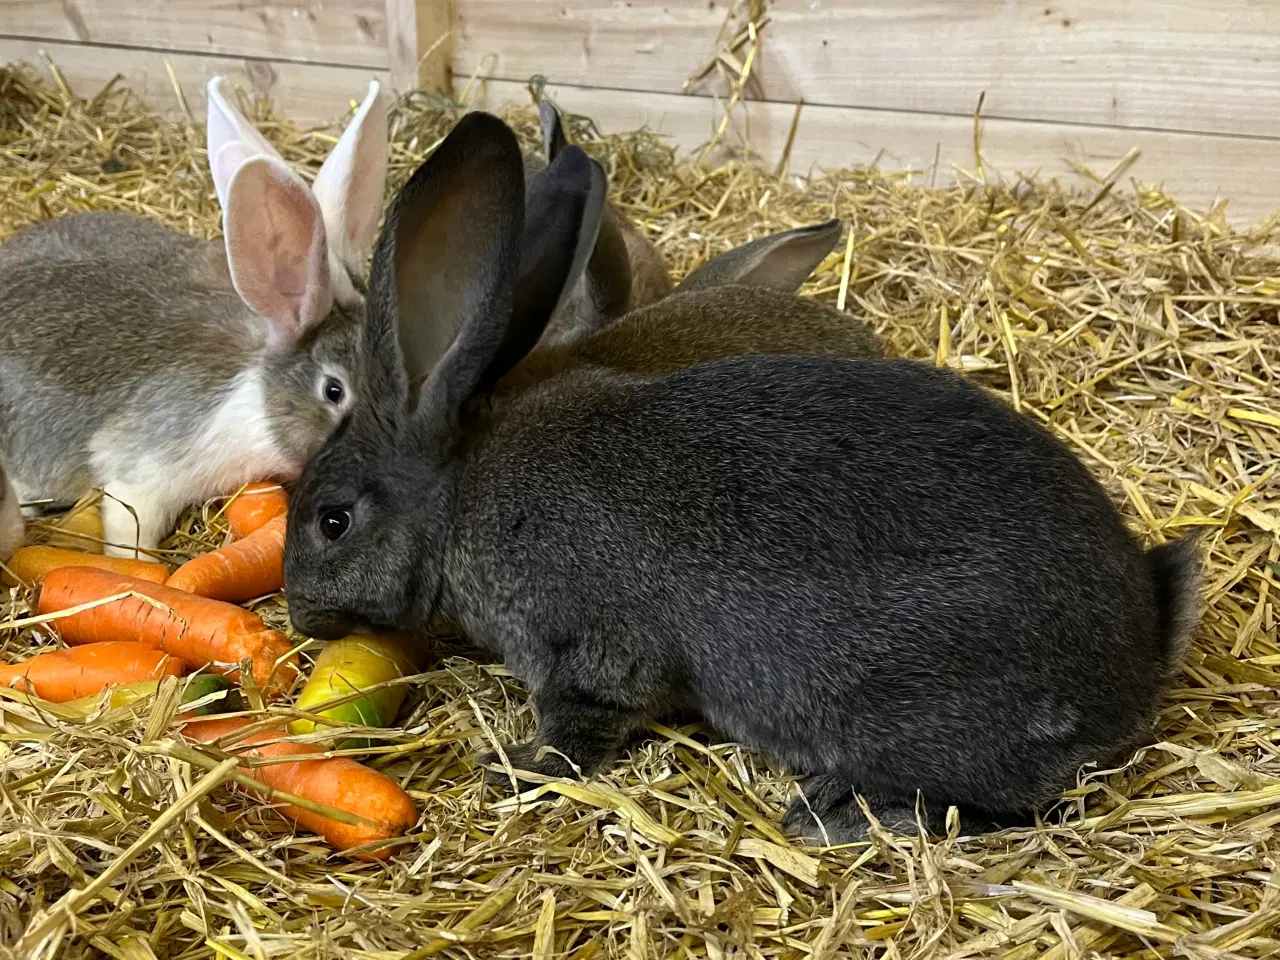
x=737 y=304
x=165 y=369
x=626 y=271
x=689 y=326
x=872 y=571
x=12 y=526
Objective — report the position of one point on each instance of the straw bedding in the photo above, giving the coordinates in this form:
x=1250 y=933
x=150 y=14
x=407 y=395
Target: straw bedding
x=1142 y=334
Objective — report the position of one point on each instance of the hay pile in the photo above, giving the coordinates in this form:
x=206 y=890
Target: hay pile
x=1144 y=335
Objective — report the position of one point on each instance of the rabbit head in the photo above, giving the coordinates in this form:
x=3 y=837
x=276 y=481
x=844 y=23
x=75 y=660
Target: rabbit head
x=11 y=525
x=625 y=271
x=373 y=506
x=296 y=256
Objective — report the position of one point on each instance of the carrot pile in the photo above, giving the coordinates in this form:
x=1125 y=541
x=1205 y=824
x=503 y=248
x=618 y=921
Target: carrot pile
x=129 y=623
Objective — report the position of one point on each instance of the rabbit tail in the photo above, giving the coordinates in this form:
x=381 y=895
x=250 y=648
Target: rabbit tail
x=1175 y=571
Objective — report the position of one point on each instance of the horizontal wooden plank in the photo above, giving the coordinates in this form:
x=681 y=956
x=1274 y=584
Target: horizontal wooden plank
x=1196 y=169
x=352 y=32
x=1197 y=65
x=306 y=93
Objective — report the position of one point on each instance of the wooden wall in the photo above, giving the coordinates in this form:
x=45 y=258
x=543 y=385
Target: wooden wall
x=1193 y=83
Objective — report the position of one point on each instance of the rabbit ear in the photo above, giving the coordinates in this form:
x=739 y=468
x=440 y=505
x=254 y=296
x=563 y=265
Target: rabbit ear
x=276 y=247
x=446 y=274
x=606 y=285
x=563 y=212
x=225 y=124
x=350 y=185
x=782 y=261
x=553 y=138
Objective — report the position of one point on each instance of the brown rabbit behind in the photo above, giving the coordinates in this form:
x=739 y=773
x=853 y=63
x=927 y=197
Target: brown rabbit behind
x=741 y=303
x=625 y=271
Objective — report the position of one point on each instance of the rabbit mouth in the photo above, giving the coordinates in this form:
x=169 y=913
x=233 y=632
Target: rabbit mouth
x=318 y=623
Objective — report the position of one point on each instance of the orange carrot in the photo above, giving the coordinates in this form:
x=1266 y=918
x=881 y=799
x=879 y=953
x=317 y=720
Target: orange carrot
x=63 y=675
x=32 y=563
x=240 y=571
x=257 y=504
x=337 y=782
x=201 y=631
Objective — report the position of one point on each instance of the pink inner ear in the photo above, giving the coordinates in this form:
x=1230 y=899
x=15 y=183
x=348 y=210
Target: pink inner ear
x=276 y=247
x=351 y=181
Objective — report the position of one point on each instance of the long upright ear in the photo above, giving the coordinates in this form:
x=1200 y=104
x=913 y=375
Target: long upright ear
x=606 y=282
x=445 y=269
x=276 y=247
x=351 y=182
x=564 y=212
x=225 y=125
x=553 y=138
x=782 y=261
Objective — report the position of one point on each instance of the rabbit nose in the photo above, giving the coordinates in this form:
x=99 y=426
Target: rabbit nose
x=320 y=624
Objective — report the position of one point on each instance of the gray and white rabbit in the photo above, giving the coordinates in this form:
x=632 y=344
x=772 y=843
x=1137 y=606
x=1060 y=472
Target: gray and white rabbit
x=873 y=571
x=166 y=369
x=12 y=528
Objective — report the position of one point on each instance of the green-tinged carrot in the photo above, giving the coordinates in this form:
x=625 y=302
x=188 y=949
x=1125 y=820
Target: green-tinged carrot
x=353 y=664
x=194 y=688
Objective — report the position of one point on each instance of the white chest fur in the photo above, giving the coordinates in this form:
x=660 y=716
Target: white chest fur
x=148 y=479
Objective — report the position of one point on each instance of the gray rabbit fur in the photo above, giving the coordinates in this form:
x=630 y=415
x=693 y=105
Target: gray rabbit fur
x=872 y=571
x=166 y=369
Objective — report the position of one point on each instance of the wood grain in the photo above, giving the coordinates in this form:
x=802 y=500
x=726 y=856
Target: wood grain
x=306 y=93
x=420 y=44
x=316 y=31
x=1196 y=169
x=1199 y=65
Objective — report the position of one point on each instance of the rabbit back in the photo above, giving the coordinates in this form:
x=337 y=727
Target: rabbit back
x=96 y=236
x=688 y=328
x=870 y=570
x=95 y=354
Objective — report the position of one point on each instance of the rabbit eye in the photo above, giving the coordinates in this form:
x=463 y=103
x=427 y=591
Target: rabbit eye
x=335 y=523
x=333 y=390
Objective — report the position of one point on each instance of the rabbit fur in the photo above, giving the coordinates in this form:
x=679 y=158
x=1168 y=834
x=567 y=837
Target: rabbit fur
x=872 y=571
x=166 y=369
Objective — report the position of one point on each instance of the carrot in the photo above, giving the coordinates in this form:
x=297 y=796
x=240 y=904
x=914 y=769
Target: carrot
x=63 y=675
x=240 y=571
x=196 y=687
x=348 y=666
x=201 y=631
x=337 y=782
x=256 y=504
x=32 y=563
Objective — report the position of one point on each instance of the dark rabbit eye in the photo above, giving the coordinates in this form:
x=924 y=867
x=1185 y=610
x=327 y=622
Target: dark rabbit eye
x=333 y=390
x=335 y=523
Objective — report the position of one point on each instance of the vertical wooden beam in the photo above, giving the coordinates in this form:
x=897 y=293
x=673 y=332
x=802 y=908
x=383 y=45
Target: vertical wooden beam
x=420 y=44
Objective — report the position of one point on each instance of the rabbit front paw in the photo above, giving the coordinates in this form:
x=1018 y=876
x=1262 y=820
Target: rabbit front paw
x=577 y=737
x=526 y=757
